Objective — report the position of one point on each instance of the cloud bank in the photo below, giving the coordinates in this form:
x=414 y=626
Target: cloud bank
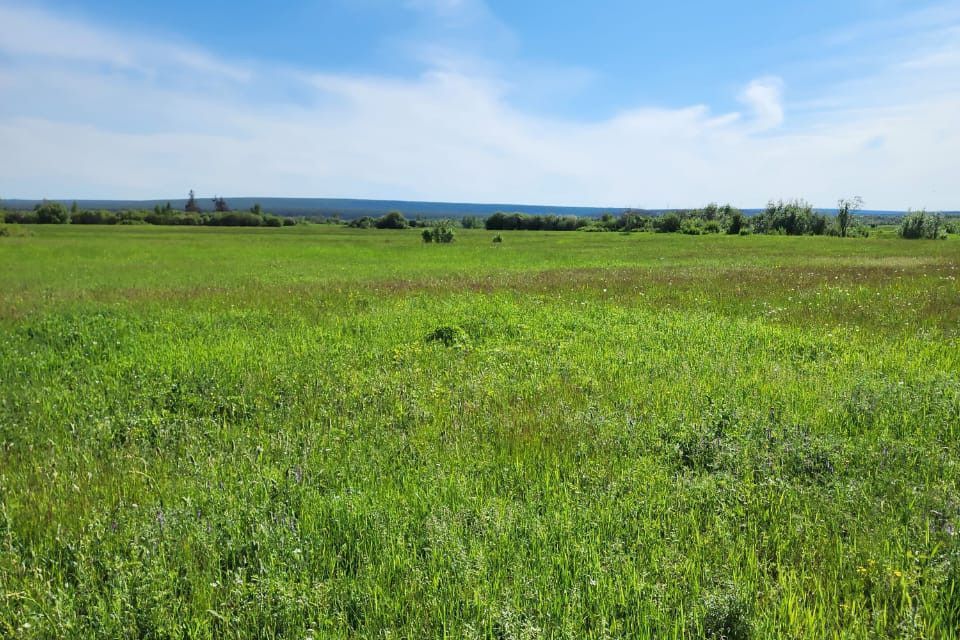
x=102 y=114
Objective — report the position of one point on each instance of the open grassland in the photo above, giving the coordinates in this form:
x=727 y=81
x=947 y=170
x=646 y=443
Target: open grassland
x=246 y=433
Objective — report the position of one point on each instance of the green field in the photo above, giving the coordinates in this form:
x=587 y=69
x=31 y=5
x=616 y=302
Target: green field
x=219 y=433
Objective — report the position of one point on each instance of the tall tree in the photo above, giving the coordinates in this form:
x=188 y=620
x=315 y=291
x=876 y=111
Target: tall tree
x=192 y=205
x=845 y=210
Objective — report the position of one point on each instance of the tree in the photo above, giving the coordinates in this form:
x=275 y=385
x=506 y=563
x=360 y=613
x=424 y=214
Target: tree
x=257 y=209
x=192 y=206
x=845 y=210
x=51 y=213
x=920 y=224
x=393 y=220
x=220 y=205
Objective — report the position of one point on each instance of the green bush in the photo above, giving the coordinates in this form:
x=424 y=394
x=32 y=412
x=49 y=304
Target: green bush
x=497 y=239
x=393 y=220
x=922 y=225
x=13 y=231
x=449 y=336
x=440 y=234
x=669 y=223
x=691 y=227
x=51 y=213
x=726 y=616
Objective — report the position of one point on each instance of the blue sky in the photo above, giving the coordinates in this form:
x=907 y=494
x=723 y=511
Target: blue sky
x=603 y=103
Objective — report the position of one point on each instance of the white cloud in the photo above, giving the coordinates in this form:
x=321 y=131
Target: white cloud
x=764 y=97
x=450 y=134
x=29 y=32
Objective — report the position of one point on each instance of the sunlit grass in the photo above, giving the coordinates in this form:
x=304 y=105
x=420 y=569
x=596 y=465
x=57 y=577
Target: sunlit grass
x=222 y=433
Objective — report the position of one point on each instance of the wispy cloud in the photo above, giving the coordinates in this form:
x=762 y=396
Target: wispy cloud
x=450 y=133
x=764 y=97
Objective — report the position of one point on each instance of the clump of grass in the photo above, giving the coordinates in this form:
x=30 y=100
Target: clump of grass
x=14 y=231
x=726 y=616
x=449 y=336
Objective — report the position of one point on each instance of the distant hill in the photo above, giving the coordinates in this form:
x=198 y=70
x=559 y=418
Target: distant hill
x=347 y=208
x=351 y=208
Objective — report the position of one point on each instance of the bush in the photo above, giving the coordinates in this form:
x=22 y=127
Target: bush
x=52 y=213
x=497 y=239
x=21 y=217
x=449 y=336
x=691 y=227
x=101 y=216
x=13 y=231
x=235 y=219
x=736 y=223
x=920 y=224
x=440 y=234
x=711 y=226
x=669 y=223
x=393 y=220
x=793 y=218
x=726 y=616
x=366 y=222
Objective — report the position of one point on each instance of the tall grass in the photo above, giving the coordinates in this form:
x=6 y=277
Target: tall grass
x=216 y=433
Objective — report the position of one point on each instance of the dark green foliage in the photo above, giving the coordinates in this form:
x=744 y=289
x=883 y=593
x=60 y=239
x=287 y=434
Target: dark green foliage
x=13 y=231
x=667 y=223
x=51 y=213
x=922 y=225
x=235 y=219
x=726 y=616
x=692 y=226
x=523 y=222
x=497 y=239
x=366 y=222
x=192 y=206
x=736 y=223
x=846 y=209
x=91 y=216
x=792 y=218
x=393 y=220
x=471 y=222
x=449 y=336
x=439 y=234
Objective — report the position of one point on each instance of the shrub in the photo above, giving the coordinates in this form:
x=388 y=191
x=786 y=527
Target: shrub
x=726 y=616
x=440 y=234
x=13 y=231
x=691 y=227
x=736 y=223
x=793 y=218
x=449 y=336
x=920 y=224
x=497 y=239
x=101 y=216
x=366 y=222
x=393 y=220
x=669 y=223
x=52 y=213
x=21 y=217
x=711 y=226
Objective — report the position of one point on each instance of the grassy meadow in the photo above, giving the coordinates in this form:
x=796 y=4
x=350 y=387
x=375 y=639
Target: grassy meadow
x=320 y=432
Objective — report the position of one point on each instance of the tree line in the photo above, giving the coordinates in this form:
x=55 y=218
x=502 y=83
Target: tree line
x=49 y=212
x=792 y=217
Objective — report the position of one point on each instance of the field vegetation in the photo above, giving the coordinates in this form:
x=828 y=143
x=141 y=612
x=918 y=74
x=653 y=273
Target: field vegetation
x=327 y=432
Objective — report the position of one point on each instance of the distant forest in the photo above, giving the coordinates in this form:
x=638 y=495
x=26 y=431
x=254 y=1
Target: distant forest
x=794 y=217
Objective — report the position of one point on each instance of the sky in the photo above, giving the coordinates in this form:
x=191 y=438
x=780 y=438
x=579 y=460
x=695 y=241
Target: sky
x=623 y=103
